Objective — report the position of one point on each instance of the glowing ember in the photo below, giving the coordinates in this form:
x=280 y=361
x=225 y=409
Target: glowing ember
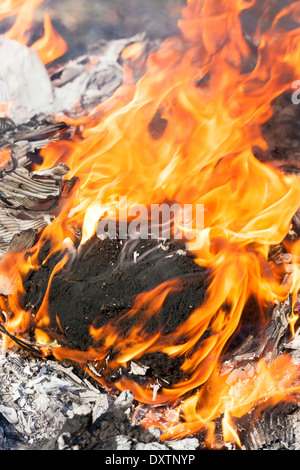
x=212 y=107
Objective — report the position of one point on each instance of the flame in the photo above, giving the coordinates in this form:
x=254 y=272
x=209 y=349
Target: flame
x=12 y=268
x=230 y=435
x=295 y=284
x=210 y=101
x=51 y=46
x=4 y=158
x=10 y=8
x=263 y=386
x=23 y=23
x=133 y=51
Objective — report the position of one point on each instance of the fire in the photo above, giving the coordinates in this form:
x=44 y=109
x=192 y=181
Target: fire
x=10 y=8
x=4 y=158
x=51 y=46
x=23 y=23
x=133 y=52
x=212 y=100
x=295 y=285
x=262 y=386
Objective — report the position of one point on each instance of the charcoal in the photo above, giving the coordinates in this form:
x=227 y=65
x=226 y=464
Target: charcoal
x=10 y=438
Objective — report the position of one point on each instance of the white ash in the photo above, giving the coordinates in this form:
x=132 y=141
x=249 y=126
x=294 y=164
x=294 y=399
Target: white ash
x=37 y=396
x=25 y=81
x=124 y=400
x=189 y=443
x=137 y=369
x=151 y=446
x=123 y=443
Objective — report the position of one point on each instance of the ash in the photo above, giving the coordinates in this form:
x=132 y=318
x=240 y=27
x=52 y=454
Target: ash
x=45 y=405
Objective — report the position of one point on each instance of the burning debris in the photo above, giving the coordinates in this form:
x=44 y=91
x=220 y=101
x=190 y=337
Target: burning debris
x=51 y=405
x=144 y=343
x=47 y=406
x=85 y=82
x=105 y=278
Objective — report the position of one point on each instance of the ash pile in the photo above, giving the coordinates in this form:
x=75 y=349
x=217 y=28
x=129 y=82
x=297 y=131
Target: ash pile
x=46 y=405
x=49 y=405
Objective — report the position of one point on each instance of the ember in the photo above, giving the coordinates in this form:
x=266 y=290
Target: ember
x=193 y=336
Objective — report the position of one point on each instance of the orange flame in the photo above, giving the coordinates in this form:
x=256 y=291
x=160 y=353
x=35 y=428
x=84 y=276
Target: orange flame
x=133 y=51
x=23 y=23
x=10 y=8
x=51 y=46
x=4 y=158
x=294 y=249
